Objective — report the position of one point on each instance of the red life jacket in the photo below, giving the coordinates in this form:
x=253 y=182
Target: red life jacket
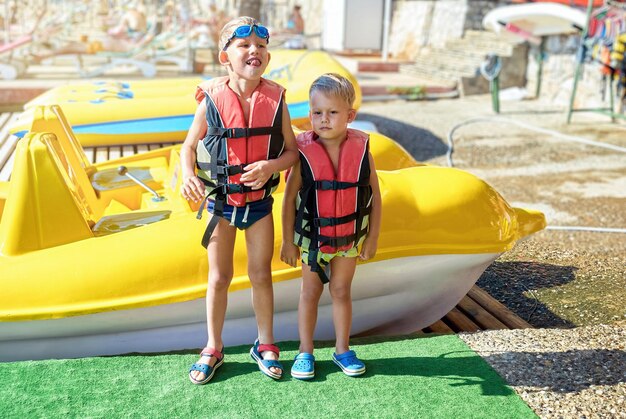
x=333 y=205
x=231 y=143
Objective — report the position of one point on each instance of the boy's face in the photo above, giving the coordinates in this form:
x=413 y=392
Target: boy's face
x=246 y=57
x=330 y=116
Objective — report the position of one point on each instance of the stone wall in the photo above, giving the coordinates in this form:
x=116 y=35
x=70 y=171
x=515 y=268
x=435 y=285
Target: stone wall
x=477 y=9
x=420 y=24
x=559 y=67
x=513 y=74
x=415 y=24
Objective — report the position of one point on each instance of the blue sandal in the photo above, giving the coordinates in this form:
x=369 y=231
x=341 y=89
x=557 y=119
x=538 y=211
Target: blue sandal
x=266 y=364
x=303 y=367
x=206 y=369
x=349 y=363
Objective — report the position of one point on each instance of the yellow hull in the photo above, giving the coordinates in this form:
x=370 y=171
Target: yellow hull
x=78 y=239
x=157 y=111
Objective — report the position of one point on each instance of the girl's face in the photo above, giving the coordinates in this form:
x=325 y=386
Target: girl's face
x=246 y=57
x=330 y=116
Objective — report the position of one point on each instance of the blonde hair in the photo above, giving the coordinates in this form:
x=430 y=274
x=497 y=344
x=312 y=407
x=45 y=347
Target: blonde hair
x=335 y=85
x=230 y=26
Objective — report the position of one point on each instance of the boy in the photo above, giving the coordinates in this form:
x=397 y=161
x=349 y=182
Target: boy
x=331 y=206
x=240 y=139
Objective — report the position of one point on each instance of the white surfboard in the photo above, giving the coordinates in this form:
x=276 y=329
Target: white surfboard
x=521 y=22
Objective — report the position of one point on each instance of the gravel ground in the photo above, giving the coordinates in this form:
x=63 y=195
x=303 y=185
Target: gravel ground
x=574 y=373
x=570 y=285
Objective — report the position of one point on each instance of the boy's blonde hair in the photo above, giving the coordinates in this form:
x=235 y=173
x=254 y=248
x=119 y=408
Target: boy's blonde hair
x=230 y=26
x=334 y=85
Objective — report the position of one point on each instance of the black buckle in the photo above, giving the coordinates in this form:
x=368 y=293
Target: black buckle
x=323 y=222
x=231 y=188
x=325 y=185
x=235 y=169
x=236 y=132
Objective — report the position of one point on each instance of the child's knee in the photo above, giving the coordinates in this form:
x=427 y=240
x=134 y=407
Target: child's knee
x=311 y=294
x=260 y=278
x=219 y=281
x=339 y=292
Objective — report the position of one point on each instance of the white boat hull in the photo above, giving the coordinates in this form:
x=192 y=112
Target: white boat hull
x=424 y=287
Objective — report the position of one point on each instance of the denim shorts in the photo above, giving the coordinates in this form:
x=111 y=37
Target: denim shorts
x=244 y=217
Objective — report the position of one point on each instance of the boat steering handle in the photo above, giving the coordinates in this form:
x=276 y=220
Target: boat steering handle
x=123 y=170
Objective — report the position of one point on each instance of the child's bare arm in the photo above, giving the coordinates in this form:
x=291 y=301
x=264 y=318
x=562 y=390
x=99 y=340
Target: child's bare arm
x=192 y=187
x=259 y=172
x=370 y=245
x=289 y=252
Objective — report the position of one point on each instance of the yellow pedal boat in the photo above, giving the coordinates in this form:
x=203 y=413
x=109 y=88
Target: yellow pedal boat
x=91 y=263
x=159 y=111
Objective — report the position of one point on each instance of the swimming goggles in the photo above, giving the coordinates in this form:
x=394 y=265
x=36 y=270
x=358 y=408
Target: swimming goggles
x=245 y=31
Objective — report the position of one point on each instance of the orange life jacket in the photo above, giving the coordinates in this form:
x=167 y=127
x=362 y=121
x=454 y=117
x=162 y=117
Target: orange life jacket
x=333 y=206
x=232 y=142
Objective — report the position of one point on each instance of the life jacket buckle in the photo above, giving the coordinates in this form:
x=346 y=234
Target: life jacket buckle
x=236 y=132
x=231 y=188
x=325 y=185
x=323 y=222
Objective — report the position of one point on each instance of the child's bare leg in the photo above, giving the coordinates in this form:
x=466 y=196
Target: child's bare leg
x=310 y=293
x=260 y=246
x=342 y=272
x=220 y=253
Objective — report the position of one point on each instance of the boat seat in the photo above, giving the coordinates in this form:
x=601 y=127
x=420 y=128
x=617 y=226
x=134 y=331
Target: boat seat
x=109 y=179
x=52 y=200
x=110 y=224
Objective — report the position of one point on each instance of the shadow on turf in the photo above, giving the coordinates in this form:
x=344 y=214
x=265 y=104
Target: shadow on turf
x=600 y=367
x=513 y=283
x=420 y=143
x=458 y=369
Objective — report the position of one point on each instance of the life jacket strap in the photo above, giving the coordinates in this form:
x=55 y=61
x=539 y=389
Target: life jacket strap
x=225 y=169
x=220 y=192
x=334 y=221
x=243 y=132
x=335 y=185
x=337 y=241
x=317 y=267
x=300 y=215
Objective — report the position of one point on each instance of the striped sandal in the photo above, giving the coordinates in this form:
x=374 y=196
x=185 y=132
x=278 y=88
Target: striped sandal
x=266 y=364
x=207 y=370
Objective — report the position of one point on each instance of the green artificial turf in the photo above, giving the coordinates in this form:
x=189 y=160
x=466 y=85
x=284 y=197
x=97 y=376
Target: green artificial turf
x=429 y=377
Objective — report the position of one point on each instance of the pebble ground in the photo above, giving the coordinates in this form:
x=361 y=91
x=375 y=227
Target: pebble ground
x=570 y=285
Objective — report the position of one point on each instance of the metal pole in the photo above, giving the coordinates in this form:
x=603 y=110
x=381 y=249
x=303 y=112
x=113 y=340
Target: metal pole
x=542 y=46
x=612 y=97
x=123 y=170
x=386 y=26
x=495 y=93
x=579 y=61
